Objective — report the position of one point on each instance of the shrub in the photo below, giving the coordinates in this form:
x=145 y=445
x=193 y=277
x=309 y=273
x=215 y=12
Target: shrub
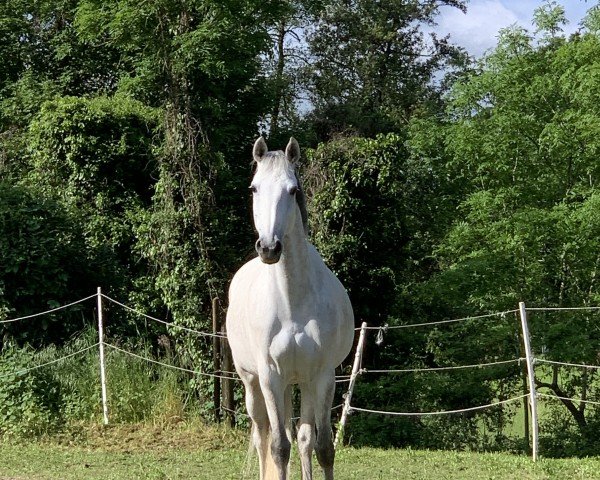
x=29 y=400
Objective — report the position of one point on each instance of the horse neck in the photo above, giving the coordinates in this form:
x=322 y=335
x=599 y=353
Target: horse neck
x=294 y=270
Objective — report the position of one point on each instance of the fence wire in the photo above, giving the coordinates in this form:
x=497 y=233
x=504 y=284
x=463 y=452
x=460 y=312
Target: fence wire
x=558 y=397
x=62 y=307
x=27 y=370
x=566 y=364
x=244 y=414
x=440 y=322
x=439 y=412
x=150 y=360
x=169 y=324
x=557 y=309
x=439 y=369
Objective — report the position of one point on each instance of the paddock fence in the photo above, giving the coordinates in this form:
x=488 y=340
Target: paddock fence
x=223 y=374
x=528 y=359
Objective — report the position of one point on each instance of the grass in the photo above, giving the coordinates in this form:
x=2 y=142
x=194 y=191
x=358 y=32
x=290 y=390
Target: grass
x=197 y=451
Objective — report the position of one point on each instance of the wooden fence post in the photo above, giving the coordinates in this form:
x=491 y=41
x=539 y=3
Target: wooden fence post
x=216 y=325
x=339 y=436
x=228 y=400
x=102 y=364
x=531 y=379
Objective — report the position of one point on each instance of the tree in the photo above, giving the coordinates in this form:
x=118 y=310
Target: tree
x=43 y=57
x=43 y=264
x=39 y=41
x=284 y=64
x=97 y=158
x=372 y=63
x=198 y=61
x=358 y=217
x=525 y=138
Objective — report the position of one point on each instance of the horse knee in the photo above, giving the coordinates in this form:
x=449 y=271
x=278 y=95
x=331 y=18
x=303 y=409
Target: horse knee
x=325 y=453
x=280 y=449
x=305 y=437
x=256 y=436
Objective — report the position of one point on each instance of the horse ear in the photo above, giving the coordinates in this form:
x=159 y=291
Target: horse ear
x=259 y=150
x=292 y=151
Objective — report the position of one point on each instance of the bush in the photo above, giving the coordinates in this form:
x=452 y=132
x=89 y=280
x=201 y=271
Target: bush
x=43 y=263
x=66 y=393
x=29 y=401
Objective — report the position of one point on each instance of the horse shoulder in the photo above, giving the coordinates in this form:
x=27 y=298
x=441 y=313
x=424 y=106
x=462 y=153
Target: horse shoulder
x=243 y=276
x=240 y=297
x=240 y=322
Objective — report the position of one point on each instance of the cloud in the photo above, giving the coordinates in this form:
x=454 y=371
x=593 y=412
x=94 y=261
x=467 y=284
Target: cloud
x=477 y=30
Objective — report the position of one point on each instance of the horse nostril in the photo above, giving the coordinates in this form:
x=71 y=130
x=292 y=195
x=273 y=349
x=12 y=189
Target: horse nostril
x=269 y=252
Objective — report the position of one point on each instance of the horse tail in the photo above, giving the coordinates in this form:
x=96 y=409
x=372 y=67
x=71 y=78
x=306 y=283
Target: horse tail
x=270 y=468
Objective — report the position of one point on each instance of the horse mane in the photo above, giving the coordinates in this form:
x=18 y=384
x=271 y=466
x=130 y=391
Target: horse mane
x=301 y=201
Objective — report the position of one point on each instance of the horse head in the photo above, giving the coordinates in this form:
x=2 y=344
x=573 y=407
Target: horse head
x=275 y=193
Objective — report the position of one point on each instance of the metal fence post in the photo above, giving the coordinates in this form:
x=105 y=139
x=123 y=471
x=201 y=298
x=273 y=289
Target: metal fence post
x=339 y=436
x=531 y=379
x=102 y=365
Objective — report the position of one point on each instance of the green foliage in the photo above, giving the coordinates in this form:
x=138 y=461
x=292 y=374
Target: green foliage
x=42 y=256
x=373 y=65
x=378 y=206
x=358 y=215
x=528 y=228
x=97 y=157
x=198 y=57
x=65 y=393
x=591 y=21
x=563 y=437
x=69 y=228
x=95 y=152
x=549 y=17
x=38 y=42
x=28 y=400
x=140 y=391
x=522 y=233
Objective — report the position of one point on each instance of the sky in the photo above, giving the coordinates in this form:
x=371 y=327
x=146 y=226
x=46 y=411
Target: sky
x=477 y=30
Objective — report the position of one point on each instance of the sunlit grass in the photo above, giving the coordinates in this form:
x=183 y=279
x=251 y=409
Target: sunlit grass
x=193 y=450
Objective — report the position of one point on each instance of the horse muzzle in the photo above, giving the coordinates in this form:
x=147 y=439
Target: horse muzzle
x=269 y=253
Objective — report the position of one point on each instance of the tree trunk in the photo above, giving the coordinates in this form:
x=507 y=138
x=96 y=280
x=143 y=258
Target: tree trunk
x=577 y=413
x=279 y=81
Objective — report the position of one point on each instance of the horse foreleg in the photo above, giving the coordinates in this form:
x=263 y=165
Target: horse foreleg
x=273 y=392
x=324 y=444
x=306 y=430
x=255 y=405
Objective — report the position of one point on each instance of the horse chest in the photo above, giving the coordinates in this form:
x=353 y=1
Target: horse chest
x=296 y=348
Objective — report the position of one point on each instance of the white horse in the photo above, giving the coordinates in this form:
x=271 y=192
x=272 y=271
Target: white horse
x=289 y=322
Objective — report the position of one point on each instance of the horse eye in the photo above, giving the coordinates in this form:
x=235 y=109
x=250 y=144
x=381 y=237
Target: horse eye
x=252 y=188
x=293 y=190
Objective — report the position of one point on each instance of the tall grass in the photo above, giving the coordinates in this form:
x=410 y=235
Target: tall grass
x=54 y=397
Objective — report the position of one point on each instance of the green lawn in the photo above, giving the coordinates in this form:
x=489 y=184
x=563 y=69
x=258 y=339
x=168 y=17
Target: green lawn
x=186 y=453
